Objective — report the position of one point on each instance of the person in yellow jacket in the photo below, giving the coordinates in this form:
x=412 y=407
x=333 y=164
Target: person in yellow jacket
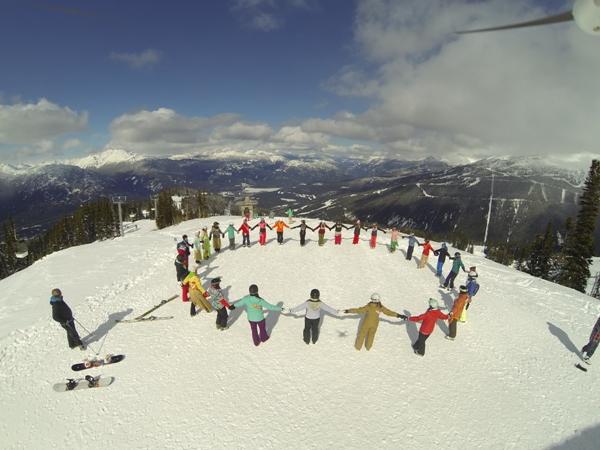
x=457 y=310
x=197 y=294
x=369 y=326
x=279 y=226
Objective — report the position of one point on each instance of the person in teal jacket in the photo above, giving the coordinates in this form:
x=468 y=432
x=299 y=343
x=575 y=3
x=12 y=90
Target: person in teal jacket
x=457 y=264
x=255 y=307
x=231 y=235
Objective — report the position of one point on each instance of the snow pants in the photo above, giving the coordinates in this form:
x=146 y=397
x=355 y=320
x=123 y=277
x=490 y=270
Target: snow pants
x=423 y=261
x=450 y=280
x=452 y=325
x=72 y=335
x=199 y=300
x=222 y=317
x=232 y=243
x=393 y=246
x=217 y=243
x=197 y=255
x=338 y=238
x=419 y=345
x=366 y=333
x=206 y=246
x=311 y=329
x=438 y=271
x=262 y=237
x=373 y=242
x=321 y=239
x=590 y=347
x=302 y=238
x=409 y=252
x=280 y=237
x=259 y=332
x=184 y=292
x=355 y=239
x=246 y=239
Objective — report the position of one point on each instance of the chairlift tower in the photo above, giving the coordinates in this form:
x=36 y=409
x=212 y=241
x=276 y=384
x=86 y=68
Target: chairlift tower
x=119 y=200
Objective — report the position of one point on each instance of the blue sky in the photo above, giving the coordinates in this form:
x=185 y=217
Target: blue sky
x=363 y=77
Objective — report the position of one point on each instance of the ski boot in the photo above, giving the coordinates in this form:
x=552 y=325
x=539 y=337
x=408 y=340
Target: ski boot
x=92 y=381
x=71 y=384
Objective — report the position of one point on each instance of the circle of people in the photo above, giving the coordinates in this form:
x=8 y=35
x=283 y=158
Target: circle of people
x=213 y=298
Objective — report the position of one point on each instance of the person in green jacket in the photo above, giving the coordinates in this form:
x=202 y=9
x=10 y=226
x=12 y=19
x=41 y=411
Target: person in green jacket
x=457 y=264
x=231 y=235
x=369 y=326
x=255 y=307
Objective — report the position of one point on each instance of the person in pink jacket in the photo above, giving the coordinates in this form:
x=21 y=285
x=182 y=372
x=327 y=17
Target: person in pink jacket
x=262 y=231
x=429 y=319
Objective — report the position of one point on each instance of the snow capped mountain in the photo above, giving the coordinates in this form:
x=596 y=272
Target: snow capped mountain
x=507 y=381
x=105 y=158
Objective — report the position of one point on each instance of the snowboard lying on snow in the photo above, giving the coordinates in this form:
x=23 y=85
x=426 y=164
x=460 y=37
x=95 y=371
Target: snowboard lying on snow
x=97 y=362
x=89 y=382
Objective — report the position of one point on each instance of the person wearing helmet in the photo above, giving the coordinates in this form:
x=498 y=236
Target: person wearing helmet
x=262 y=230
x=442 y=254
x=218 y=302
x=62 y=314
x=457 y=309
x=472 y=289
x=412 y=241
x=279 y=226
x=428 y=319
x=255 y=306
x=373 y=240
x=197 y=293
x=369 y=326
x=425 y=256
x=312 y=315
x=588 y=349
x=231 y=236
x=245 y=229
x=456 y=266
x=303 y=227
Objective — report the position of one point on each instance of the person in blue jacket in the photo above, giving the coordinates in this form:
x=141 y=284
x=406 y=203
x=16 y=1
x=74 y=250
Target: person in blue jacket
x=412 y=241
x=255 y=307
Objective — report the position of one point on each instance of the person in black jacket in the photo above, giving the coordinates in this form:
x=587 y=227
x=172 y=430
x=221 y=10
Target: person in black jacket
x=181 y=268
x=62 y=314
x=303 y=227
x=442 y=254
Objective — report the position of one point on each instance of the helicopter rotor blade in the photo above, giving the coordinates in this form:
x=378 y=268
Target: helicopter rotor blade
x=563 y=17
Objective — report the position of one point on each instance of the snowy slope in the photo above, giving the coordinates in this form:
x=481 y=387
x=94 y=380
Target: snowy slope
x=507 y=382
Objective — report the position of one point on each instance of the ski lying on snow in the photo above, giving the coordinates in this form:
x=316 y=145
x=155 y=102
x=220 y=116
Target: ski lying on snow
x=89 y=382
x=145 y=319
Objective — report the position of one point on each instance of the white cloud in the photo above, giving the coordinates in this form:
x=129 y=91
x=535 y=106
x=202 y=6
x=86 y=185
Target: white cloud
x=267 y=15
x=243 y=131
x=71 y=144
x=145 y=58
x=30 y=130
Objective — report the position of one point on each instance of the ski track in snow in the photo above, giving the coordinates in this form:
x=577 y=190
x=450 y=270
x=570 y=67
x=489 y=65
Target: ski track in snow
x=507 y=382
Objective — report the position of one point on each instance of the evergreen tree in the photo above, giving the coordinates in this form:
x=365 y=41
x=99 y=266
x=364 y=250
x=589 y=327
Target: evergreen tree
x=10 y=246
x=166 y=210
x=540 y=262
x=579 y=246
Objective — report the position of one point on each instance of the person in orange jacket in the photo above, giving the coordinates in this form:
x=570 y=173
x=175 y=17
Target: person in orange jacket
x=429 y=319
x=279 y=226
x=425 y=256
x=457 y=310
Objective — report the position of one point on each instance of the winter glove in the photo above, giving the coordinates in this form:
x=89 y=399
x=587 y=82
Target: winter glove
x=346 y=311
x=402 y=316
x=231 y=307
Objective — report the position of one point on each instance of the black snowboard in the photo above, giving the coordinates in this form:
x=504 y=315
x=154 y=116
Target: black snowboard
x=111 y=359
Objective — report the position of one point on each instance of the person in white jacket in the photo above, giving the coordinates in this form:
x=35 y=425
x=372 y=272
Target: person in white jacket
x=312 y=309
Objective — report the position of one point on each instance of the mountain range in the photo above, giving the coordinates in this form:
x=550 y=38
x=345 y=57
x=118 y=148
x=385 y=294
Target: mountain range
x=428 y=194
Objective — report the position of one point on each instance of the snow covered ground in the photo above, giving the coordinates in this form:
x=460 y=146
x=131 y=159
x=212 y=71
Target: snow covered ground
x=507 y=382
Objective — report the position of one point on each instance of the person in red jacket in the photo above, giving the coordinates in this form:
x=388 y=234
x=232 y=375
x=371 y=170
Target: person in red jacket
x=429 y=319
x=245 y=229
x=425 y=256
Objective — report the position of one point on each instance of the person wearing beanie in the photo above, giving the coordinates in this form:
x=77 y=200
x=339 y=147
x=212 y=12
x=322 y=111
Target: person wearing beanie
x=428 y=319
x=312 y=309
x=425 y=256
x=62 y=314
x=357 y=227
x=183 y=248
x=373 y=240
x=216 y=234
x=588 y=349
x=456 y=266
x=369 y=326
x=255 y=306
x=412 y=241
x=394 y=239
x=442 y=254
x=457 y=310
x=303 y=227
x=231 y=236
x=262 y=230
x=197 y=293
x=205 y=243
x=218 y=302
x=279 y=226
